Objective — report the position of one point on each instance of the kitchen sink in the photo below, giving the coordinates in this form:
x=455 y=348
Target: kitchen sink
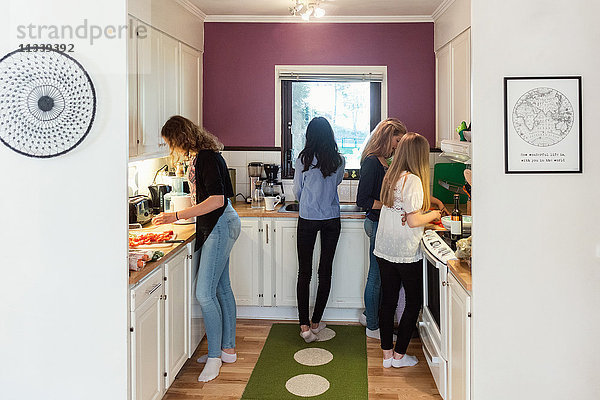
x=344 y=208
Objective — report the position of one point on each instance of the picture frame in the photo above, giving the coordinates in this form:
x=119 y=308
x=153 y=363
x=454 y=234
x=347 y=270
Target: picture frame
x=542 y=125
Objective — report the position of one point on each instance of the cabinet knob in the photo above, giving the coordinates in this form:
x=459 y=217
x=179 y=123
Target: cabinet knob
x=444 y=283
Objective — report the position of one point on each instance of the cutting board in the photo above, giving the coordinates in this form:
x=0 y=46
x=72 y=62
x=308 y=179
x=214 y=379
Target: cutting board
x=451 y=173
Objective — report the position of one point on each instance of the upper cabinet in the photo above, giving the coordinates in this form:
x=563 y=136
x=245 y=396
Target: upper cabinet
x=165 y=80
x=453 y=86
x=191 y=83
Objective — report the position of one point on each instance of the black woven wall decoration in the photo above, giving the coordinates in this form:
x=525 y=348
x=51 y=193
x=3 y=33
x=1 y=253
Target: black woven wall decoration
x=47 y=102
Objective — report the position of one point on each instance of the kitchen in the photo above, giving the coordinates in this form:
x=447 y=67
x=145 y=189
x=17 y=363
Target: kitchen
x=43 y=310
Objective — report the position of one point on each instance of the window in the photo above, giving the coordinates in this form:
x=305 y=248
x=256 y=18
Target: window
x=351 y=102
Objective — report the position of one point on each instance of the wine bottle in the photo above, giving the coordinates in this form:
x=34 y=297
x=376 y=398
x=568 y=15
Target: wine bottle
x=456 y=221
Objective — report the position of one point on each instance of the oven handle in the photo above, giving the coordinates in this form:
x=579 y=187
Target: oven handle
x=429 y=257
x=430 y=359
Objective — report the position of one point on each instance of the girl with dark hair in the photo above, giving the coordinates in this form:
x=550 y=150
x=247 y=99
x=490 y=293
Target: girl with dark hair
x=319 y=171
x=217 y=228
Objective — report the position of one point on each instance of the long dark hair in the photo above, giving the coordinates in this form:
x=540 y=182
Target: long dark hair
x=320 y=143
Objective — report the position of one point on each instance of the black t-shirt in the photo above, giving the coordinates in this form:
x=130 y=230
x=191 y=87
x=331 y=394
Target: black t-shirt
x=212 y=178
x=369 y=186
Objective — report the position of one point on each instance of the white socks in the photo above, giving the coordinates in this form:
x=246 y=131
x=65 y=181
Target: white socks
x=308 y=336
x=211 y=370
x=374 y=334
x=225 y=357
x=387 y=362
x=362 y=318
x=406 y=361
x=319 y=328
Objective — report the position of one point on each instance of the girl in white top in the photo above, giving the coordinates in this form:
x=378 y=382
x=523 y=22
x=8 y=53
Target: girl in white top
x=406 y=200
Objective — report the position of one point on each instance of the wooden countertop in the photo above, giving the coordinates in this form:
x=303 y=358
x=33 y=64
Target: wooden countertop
x=185 y=232
x=462 y=272
x=245 y=210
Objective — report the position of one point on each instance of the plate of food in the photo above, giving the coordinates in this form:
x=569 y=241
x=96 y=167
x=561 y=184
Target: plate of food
x=151 y=239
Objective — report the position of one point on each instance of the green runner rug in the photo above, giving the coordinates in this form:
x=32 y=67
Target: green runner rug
x=342 y=376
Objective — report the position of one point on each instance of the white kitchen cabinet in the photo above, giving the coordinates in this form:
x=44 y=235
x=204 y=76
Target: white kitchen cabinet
x=147 y=338
x=350 y=266
x=176 y=315
x=161 y=326
x=165 y=80
x=461 y=79
x=453 y=86
x=170 y=81
x=286 y=262
x=244 y=263
x=196 y=322
x=443 y=90
x=150 y=83
x=191 y=83
x=132 y=89
x=459 y=338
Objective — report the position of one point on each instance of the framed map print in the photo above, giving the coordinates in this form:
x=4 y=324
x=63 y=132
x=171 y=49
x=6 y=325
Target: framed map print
x=542 y=125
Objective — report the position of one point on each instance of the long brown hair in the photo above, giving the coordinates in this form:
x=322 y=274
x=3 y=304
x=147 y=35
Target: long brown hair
x=412 y=155
x=380 y=142
x=185 y=137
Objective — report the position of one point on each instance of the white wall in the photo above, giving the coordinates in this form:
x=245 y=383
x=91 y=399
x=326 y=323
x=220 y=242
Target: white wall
x=454 y=20
x=63 y=230
x=536 y=268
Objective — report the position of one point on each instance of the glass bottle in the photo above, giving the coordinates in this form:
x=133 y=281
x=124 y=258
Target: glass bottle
x=456 y=221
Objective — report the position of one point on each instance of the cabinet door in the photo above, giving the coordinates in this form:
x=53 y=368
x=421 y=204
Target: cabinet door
x=149 y=71
x=349 y=266
x=191 y=83
x=461 y=79
x=132 y=88
x=176 y=315
x=147 y=360
x=169 y=55
x=196 y=322
x=443 y=66
x=286 y=262
x=459 y=332
x=244 y=264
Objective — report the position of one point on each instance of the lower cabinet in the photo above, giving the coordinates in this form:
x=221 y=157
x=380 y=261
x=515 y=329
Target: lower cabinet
x=459 y=338
x=264 y=264
x=160 y=327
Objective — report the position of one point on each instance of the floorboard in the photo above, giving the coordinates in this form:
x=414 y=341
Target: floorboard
x=414 y=383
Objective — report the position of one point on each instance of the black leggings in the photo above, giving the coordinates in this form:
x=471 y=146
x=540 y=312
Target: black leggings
x=393 y=275
x=306 y=237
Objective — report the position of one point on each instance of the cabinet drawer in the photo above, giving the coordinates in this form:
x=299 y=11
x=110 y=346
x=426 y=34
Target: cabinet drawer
x=149 y=287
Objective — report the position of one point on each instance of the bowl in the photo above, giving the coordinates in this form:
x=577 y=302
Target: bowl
x=467 y=222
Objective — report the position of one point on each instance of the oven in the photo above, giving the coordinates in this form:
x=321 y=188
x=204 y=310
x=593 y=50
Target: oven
x=433 y=322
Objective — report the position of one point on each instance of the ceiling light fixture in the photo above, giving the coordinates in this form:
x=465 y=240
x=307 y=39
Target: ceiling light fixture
x=307 y=8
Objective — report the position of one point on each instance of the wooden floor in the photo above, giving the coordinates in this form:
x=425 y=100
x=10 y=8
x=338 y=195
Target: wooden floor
x=404 y=383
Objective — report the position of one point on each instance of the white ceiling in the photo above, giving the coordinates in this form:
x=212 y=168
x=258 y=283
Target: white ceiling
x=333 y=8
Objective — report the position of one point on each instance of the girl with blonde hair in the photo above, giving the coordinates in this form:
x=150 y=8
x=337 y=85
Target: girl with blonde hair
x=379 y=148
x=405 y=195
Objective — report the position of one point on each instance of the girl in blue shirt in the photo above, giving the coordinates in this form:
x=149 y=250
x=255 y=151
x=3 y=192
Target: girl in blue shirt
x=319 y=170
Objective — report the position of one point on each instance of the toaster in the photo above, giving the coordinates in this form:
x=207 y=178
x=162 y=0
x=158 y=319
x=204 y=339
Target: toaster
x=140 y=209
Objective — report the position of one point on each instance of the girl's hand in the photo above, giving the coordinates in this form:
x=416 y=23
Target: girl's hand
x=444 y=211
x=164 y=218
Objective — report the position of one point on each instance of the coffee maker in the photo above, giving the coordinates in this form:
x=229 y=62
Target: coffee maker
x=255 y=170
x=273 y=186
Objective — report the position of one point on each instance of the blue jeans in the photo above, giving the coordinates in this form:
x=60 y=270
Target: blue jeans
x=213 y=288
x=373 y=286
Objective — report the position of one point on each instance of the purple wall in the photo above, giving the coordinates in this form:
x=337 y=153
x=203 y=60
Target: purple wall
x=239 y=71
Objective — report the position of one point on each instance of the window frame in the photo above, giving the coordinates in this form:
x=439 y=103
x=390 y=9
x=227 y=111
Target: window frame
x=282 y=137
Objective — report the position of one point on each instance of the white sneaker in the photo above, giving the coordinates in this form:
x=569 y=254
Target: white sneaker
x=362 y=318
x=374 y=334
